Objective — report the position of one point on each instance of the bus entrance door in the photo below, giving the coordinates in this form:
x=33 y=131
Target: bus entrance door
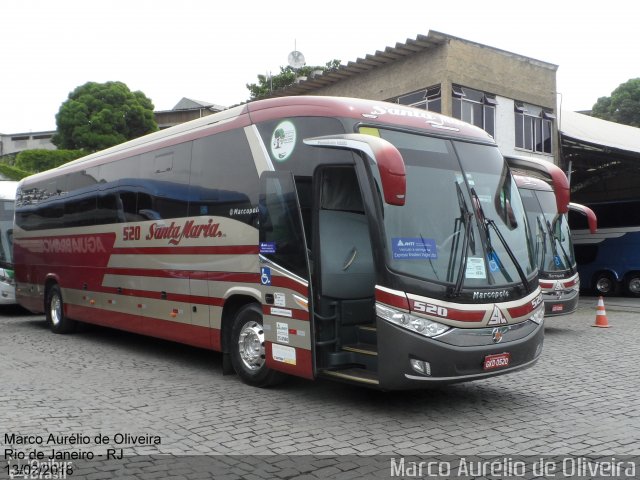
x=284 y=278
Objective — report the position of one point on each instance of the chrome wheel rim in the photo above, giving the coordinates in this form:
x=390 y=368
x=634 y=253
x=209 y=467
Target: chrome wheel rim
x=634 y=285
x=56 y=310
x=603 y=285
x=251 y=346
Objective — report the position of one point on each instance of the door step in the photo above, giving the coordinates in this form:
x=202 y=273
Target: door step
x=363 y=348
x=358 y=375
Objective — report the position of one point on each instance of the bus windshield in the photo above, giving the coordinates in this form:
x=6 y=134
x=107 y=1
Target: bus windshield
x=6 y=232
x=463 y=223
x=553 y=247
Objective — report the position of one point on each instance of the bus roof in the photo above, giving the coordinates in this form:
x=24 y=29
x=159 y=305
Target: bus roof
x=368 y=111
x=531 y=183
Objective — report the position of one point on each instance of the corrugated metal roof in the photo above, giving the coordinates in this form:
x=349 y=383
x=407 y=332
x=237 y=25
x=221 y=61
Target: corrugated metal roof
x=598 y=133
x=362 y=65
x=381 y=58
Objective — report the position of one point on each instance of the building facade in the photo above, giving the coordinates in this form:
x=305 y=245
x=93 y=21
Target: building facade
x=511 y=96
x=17 y=142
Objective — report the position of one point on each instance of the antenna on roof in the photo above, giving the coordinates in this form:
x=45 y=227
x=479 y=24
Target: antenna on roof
x=296 y=58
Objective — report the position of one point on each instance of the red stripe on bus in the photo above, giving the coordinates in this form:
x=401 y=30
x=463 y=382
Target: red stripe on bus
x=521 y=311
x=395 y=300
x=285 y=282
x=236 y=277
x=208 y=250
x=465 y=315
x=171 y=297
x=194 y=335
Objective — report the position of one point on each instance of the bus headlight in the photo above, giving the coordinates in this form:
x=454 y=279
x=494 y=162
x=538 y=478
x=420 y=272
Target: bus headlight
x=420 y=325
x=538 y=316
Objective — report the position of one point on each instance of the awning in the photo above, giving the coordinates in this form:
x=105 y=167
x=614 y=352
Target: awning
x=598 y=133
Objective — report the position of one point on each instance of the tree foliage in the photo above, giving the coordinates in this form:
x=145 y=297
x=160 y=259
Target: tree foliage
x=286 y=77
x=100 y=115
x=9 y=172
x=35 y=161
x=623 y=106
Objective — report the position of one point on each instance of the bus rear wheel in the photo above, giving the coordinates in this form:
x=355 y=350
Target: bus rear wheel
x=247 y=349
x=632 y=284
x=605 y=284
x=54 y=312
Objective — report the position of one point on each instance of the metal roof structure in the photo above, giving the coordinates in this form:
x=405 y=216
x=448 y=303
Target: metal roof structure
x=421 y=43
x=590 y=133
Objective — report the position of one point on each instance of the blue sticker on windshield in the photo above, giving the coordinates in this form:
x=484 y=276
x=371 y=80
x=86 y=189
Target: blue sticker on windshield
x=267 y=247
x=494 y=262
x=404 y=248
x=557 y=261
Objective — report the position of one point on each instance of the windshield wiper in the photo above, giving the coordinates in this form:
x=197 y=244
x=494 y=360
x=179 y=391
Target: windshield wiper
x=487 y=222
x=555 y=240
x=543 y=229
x=468 y=240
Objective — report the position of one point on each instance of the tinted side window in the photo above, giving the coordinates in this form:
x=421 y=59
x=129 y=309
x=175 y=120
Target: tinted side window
x=39 y=205
x=224 y=179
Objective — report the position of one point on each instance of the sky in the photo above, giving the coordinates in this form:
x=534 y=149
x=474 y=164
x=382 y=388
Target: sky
x=210 y=50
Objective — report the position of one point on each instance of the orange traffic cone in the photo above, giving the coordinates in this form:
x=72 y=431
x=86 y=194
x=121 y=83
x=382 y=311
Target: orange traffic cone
x=601 y=315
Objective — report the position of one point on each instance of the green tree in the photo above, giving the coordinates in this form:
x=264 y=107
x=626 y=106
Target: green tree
x=35 y=161
x=9 y=172
x=285 y=78
x=623 y=106
x=100 y=115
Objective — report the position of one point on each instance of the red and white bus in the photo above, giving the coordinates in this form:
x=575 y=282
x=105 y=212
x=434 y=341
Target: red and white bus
x=312 y=236
x=544 y=189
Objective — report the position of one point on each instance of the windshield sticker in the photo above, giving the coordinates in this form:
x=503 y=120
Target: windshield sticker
x=404 y=248
x=475 y=268
x=494 y=262
x=267 y=247
x=283 y=141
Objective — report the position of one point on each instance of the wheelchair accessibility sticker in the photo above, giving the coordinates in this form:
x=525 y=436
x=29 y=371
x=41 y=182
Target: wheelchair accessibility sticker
x=265 y=276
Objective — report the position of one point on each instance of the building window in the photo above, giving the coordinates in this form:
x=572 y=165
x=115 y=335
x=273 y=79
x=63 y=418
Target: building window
x=534 y=128
x=475 y=107
x=428 y=99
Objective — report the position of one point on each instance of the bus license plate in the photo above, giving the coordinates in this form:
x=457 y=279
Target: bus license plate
x=499 y=360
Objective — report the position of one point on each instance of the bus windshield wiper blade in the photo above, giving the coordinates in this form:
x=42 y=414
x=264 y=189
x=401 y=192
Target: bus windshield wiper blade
x=487 y=222
x=468 y=240
x=555 y=239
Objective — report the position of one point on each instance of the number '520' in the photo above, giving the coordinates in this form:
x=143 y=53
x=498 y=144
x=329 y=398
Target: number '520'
x=131 y=233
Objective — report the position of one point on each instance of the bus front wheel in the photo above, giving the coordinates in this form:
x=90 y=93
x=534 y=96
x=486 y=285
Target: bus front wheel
x=632 y=284
x=605 y=284
x=247 y=349
x=56 y=319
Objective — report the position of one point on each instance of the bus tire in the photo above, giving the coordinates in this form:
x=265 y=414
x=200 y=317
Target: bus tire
x=605 y=284
x=632 y=284
x=247 y=349
x=54 y=312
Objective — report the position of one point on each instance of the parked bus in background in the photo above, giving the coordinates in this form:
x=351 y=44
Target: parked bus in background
x=544 y=189
x=313 y=236
x=609 y=262
x=7 y=202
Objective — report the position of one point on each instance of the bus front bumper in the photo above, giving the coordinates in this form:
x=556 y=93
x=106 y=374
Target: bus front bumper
x=457 y=356
x=563 y=304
